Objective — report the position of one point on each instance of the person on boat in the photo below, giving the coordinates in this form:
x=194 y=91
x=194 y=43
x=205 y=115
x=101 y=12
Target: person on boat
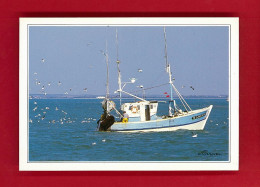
x=125 y=117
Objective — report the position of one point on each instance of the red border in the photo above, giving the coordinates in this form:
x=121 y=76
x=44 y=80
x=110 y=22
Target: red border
x=247 y=10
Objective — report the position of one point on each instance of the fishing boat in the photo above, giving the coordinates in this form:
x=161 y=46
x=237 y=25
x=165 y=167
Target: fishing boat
x=141 y=116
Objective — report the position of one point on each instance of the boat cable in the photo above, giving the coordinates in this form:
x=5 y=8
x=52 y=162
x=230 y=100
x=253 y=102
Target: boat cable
x=180 y=97
x=150 y=87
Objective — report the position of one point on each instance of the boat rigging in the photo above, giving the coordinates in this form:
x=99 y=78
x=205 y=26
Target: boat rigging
x=142 y=115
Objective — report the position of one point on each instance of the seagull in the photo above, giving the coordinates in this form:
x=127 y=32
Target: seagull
x=35 y=73
x=59 y=83
x=141 y=86
x=104 y=140
x=43 y=60
x=66 y=93
x=191 y=87
x=94 y=143
x=38 y=82
x=85 y=89
x=43 y=87
x=182 y=86
x=35 y=103
x=56 y=108
x=49 y=84
x=133 y=80
x=103 y=52
x=140 y=70
x=89 y=43
x=70 y=89
x=194 y=135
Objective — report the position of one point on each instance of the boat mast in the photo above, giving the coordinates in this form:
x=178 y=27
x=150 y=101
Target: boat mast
x=168 y=70
x=119 y=73
x=107 y=94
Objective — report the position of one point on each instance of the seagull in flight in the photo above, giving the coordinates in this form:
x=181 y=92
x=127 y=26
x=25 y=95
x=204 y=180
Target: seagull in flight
x=43 y=60
x=133 y=80
x=59 y=83
x=103 y=52
x=140 y=70
x=85 y=89
x=191 y=87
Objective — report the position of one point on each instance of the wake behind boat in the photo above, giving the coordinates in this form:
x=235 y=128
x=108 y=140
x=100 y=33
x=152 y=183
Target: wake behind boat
x=142 y=115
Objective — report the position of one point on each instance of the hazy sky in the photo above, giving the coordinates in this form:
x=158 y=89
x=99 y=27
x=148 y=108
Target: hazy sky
x=198 y=56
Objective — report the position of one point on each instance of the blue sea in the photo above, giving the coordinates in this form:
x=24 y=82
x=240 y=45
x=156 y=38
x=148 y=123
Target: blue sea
x=65 y=130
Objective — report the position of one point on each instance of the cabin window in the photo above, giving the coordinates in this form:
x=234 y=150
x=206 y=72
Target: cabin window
x=130 y=107
x=151 y=106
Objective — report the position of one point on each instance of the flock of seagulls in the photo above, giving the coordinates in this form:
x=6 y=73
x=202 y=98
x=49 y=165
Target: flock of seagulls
x=43 y=88
x=63 y=119
x=43 y=112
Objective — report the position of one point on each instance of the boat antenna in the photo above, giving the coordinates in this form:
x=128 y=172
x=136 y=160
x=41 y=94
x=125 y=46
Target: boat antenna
x=119 y=73
x=165 y=51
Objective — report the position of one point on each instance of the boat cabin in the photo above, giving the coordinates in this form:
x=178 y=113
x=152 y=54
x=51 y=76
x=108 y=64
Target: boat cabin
x=141 y=111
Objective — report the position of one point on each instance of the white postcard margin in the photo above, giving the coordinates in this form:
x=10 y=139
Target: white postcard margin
x=232 y=164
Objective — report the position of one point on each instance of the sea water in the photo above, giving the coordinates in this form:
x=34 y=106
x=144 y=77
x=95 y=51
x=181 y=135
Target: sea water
x=65 y=130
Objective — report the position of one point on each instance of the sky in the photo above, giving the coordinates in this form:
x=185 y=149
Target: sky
x=199 y=57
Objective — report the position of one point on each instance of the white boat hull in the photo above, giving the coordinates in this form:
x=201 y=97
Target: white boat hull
x=196 y=120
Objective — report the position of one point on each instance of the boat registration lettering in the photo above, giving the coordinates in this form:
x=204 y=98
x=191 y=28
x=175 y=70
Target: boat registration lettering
x=199 y=116
x=171 y=121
